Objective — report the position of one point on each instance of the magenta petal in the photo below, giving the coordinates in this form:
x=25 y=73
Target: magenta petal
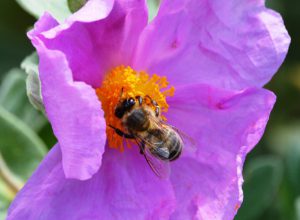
x=225 y=126
x=124 y=188
x=97 y=38
x=79 y=50
x=75 y=114
x=234 y=45
x=45 y=23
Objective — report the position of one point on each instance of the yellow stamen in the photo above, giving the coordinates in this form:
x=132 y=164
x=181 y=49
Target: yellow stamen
x=133 y=84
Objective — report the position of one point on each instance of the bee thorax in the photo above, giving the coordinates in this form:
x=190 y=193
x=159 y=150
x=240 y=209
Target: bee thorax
x=137 y=120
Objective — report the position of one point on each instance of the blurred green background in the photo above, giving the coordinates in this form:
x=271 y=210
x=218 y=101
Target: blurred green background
x=272 y=169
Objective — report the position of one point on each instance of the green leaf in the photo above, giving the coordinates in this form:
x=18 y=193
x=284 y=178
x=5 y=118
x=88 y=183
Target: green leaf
x=6 y=197
x=285 y=201
x=14 y=44
x=48 y=136
x=293 y=168
x=284 y=137
x=12 y=91
x=33 y=84
x=297 y=207
x=153 y=8
x=2 y=214
x=14 y=99
x=58 y=8
x=262 y=180
x=75 y=5
x=31 y=63
x=21 y=148
x=9 y=185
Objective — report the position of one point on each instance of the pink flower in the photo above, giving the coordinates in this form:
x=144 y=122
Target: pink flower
x=216 y=54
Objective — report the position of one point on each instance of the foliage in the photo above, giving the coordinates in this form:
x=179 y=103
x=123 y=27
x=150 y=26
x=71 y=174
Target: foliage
x=58 y=8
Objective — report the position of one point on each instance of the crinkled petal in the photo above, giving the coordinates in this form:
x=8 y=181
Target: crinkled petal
x=237 y=44
x=73 y=57
x=98 y=37
x=75 y=114
x=124 y=188
x=45 y=23
x=225 y=126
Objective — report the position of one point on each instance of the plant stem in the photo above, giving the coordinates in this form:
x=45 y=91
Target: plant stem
x=13 y=183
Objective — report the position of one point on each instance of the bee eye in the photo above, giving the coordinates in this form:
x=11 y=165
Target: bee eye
x=131 y=102
x=119 y=112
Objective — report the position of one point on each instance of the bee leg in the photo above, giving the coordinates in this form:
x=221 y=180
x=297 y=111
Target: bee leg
x=140 y=99
x=121 y=133
x=142 y=147
x=157 y=108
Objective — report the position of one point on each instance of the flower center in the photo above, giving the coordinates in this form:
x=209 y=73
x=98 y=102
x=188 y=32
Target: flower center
x=122 y=83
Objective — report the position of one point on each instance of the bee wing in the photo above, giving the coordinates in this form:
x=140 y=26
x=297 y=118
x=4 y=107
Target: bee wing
x=189 y=142
x=160 y=167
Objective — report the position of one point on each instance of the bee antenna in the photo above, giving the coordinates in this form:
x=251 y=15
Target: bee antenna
x=111 y=126
x=121 y=93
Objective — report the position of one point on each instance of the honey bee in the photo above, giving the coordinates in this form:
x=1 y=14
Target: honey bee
x=159 y=142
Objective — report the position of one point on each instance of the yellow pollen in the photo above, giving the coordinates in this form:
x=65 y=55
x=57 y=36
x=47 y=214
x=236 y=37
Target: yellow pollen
x=133 y=84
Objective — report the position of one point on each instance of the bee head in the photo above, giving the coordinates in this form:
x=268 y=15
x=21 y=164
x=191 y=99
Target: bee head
x=124 y=107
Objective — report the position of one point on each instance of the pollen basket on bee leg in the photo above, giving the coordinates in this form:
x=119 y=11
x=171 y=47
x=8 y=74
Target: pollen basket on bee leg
x=123 y=83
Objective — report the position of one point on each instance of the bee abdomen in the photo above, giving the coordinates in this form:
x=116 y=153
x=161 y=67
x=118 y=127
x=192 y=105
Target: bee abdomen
x=175 y=147
x=170 y=148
